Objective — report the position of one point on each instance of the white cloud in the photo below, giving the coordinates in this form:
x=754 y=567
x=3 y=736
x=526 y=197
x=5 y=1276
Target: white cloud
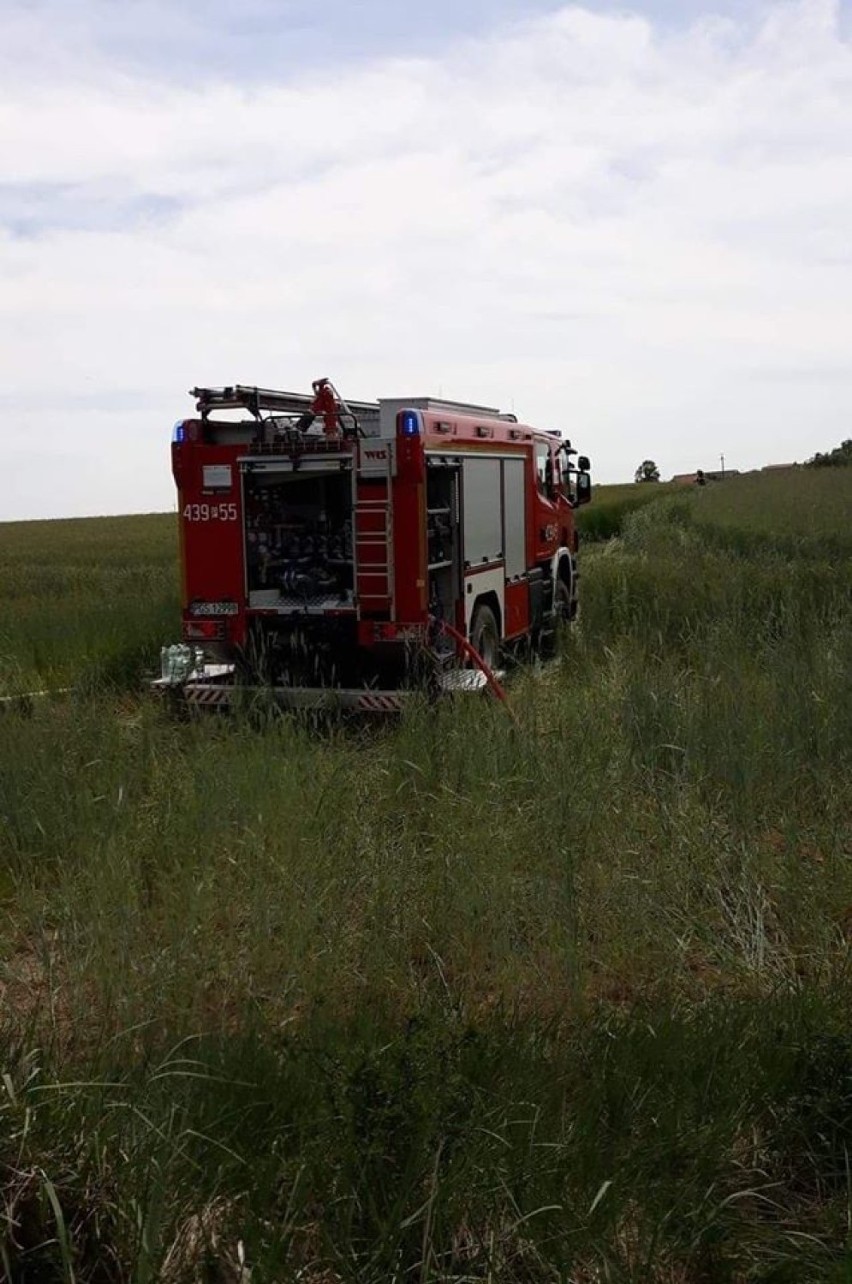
x=639 y=237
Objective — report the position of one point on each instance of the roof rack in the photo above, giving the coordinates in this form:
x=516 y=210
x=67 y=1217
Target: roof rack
x=258 y=401
x=442 y=404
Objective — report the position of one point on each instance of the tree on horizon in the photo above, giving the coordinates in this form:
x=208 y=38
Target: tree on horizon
x=647 y=472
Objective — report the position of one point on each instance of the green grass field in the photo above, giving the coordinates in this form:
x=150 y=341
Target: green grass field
x=610 y=507
x=462 y=999
x=85 y=600
x=797 y=510
x=801 y=509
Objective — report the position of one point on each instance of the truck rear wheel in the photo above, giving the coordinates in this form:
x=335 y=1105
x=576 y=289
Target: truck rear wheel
x=484 y=634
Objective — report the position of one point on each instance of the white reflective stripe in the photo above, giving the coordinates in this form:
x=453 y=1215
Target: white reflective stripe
x=464 y=680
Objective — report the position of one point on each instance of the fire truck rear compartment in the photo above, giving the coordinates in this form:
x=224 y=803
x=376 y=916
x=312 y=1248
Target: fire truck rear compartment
x=298 y=541
x=300 y=582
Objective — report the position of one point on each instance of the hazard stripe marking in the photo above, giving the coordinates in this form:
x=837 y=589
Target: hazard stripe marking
x=380 y=703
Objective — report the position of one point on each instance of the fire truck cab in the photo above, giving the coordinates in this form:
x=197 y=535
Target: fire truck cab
x=338 y=547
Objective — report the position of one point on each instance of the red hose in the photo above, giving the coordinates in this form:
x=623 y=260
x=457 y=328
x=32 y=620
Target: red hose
x=472 y=654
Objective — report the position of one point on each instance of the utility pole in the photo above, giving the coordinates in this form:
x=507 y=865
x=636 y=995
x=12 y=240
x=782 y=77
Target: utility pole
x=722 y=457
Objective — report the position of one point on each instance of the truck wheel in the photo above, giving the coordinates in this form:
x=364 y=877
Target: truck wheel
x=562 y=607
x=484 y=634
x=548 y=640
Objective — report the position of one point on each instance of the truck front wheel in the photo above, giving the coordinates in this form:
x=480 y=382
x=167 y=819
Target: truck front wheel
x=548 y=639
x=562 y=605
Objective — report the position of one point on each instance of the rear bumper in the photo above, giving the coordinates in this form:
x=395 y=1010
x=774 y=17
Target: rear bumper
x=203 y=693
x=213 y=687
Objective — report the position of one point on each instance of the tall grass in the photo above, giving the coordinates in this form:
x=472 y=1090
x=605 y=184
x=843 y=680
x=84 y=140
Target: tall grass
x=605 y=516
x=802 y=501
x=564 y=998
x=85 y=600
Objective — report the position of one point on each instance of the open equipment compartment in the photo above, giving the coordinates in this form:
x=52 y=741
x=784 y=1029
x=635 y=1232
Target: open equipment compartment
x=298 y=538
x=442 y=536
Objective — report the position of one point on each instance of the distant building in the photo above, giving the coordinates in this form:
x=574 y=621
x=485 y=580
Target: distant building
x=689 y=479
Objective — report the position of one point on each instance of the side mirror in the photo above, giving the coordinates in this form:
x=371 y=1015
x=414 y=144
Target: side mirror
x=584 y=488
x=583 y=463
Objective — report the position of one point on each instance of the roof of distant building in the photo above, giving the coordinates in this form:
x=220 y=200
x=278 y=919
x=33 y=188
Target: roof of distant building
x=687 y=479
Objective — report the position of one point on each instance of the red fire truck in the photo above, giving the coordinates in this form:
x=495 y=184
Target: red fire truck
x=345 y=553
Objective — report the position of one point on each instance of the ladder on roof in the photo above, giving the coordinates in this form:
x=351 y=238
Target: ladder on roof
x=258 y=401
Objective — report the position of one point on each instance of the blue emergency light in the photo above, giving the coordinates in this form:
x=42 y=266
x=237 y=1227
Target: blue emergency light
x=178 y=433
x=410 y=423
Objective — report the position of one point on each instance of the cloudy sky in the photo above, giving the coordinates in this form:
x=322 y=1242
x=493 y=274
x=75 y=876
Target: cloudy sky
x=629 y=221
